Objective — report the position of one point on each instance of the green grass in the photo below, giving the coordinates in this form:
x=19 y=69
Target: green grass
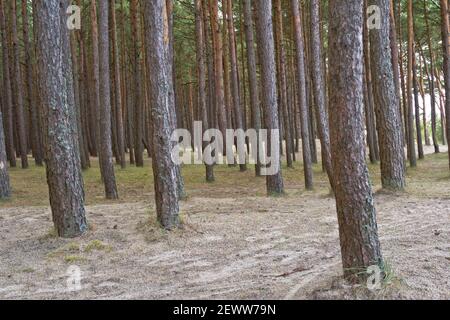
x=74 y=259
x=96 y=245
x=429 y=179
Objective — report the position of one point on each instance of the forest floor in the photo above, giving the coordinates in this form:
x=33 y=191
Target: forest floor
x=236 y=242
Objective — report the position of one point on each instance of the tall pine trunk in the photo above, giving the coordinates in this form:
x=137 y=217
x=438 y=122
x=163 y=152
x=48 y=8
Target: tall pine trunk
x=162 y=93
x=252 y=76
x=302 y=92
x=354 y=199
x=7 y=90
x=319 y=89
x=59 y=128
x=389 y=124
x=104 y=112
x=201 y=75
x=266 y=52
x=18 y=91
x=5 y=189
x=409 y=94
x=446 y=52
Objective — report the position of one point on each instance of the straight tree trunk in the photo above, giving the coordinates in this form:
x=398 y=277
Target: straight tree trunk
x=319 y=89
x=173 y=114
x=445 y=26
x=252 y=76
x=409 y=94
x=432 y=80
x=218 y=67
x=238 y=115
x=302 y=98
x=118 y=87
x=7 y=90
x=162 y=92
x=201 y=75
x=389 y=124
x=35 y=140
x=76 y=87
x=59 y=129
x=281 y=59
x=266 y=52
x=360 y=246
x=138 y=83
x=5 y=189
x=104 y=112
x=372 y=138
x=95 y=86
x=18 y=90
x=402 y=73
x=417 y=111
x=422 y=93
x=441 y=106
x=395 y=62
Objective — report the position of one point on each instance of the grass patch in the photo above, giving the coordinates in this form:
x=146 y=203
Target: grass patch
x=96 y=245
x=429 y=179
x=51 y=234
x=74 y=259
x=27 y=270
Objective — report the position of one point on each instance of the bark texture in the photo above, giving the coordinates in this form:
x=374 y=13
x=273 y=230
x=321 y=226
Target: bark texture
x=5 y=189
x=302 y=94
x=389 y=124
x=252 y=75
x=266 y=51
x=354 y=199
x=59 y=129
x=319 y=89
x=104 y=113
x=164 y=169
x=445 y=26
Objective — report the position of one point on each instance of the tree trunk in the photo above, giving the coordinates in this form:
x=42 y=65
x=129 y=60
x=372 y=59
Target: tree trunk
x=395 y=64
x=386 y=104
x=5 y=189
x=445 y=25
x=411 y=144
x=252 y=76
x=138 y=91
x=18 y=90
x=201 y=75
x=282 y=81
x=302 y=98
x=104 y=113
x=32 y=106
x=266 y=51
x=237 y=107
x=164 y=169
x=319 y=89
x=117 y=88
x=59 y=130
x=372 y=137
x=431 y=80
x=218 y=68
x=417 y=110
x=7 y=90
x=354 y=200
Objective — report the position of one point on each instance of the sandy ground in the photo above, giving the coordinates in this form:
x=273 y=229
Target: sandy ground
x=264 y=248
x=234 y=245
